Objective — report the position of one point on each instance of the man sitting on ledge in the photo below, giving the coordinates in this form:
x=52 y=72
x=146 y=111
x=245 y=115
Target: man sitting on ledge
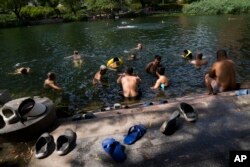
x=221 y=77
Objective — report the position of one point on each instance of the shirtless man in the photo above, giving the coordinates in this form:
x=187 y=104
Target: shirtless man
x=162 y=81
x=134 y=52
x=129 y=83
x=198 y=62
x=221 y=76
x=98 y=78
x=50 y=82
x=152 y=66
x=77 y=59
x=22 y=71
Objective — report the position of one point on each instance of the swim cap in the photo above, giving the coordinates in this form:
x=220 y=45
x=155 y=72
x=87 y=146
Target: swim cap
x=103 y=67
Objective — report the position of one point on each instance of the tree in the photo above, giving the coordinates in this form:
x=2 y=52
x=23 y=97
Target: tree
x=73 y=5
x=14 y=6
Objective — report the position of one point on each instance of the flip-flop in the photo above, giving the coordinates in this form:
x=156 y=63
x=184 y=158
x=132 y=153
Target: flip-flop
x=114 y=149
x=188 y=112
x=169 y=126
x=134 y=133
x=65 y=142
x=242 y=92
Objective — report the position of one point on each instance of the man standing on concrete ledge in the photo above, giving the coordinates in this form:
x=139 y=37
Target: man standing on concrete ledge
x=221 y=77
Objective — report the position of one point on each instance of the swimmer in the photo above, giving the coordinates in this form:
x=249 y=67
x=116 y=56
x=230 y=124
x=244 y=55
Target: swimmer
x=198 y=62
x=162 y=81
x=50 y=82
x=133 y=53
x=98 y=78
x=114 y=63
x=22 y=71
x=221 y=77
x=77 y=59
x=152 y=66
x=187 y=54
x=130 y=83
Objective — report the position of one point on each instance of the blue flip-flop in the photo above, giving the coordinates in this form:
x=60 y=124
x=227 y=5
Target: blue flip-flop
x=134 y=133
x=242 y=92
x=114 y=149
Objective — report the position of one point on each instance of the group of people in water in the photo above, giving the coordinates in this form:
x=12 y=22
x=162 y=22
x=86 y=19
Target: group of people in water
x=221 y=76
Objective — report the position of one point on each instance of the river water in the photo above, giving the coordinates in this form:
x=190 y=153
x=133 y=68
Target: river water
x=44 y=47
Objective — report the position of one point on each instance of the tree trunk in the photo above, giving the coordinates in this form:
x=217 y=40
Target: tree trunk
x=142 y=3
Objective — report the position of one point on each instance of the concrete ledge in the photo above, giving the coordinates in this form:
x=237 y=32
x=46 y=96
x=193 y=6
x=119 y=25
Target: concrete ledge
x=223 y=124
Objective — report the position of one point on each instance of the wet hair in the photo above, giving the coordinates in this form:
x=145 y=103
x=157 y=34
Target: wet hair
x=221 y=54
x=116 y=59
x=157 y=57
x=160 y=70
x=129 y=70
x=24 y=71
x=51 y=75
x=76 y=52
x=185 y=51
x=199 y=56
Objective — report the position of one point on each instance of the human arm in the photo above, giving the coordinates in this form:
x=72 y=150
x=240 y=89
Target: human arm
x=157 y=84
x=120 y=78
x=147 y=68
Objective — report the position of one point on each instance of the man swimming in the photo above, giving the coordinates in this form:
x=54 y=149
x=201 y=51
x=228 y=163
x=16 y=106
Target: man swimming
x=22 y=71
x=98 y=78
x=133 y=54
x=50 y=82
x=162 y=81
x=77 y=59
x=129 y=83
x=198 y=62
x=221 y=77
x=152 y=66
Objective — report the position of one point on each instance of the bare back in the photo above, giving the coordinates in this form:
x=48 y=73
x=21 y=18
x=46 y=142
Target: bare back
x=225 y=74
x=129 y=85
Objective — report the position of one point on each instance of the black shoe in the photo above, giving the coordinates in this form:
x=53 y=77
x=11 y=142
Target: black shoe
x=44 y=145
x=169 y=126
x=65 y=142
x=188 y=112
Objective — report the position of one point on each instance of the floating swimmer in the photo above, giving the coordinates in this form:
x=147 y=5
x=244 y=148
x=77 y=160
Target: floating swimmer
x=198 y=62
x=77 y=59
x=162 y=81
x=187 y=54
x=22 y=71
x=114 y=63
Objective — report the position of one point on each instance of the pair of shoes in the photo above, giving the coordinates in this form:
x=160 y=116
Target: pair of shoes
x=116 y=150
x=170 y=125
x=45 y=144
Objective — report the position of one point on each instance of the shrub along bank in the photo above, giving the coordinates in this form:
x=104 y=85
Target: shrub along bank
x=216 y=7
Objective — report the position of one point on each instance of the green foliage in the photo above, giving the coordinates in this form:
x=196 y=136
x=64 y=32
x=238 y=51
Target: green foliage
x=35 y=13
x=213 y=7
x=102 y=5
x=14 y=6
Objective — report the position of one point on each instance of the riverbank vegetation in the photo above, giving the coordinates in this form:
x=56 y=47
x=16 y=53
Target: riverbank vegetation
x=216 y=7
x=29 y=12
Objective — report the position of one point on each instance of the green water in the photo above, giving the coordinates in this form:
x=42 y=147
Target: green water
x=43 y=48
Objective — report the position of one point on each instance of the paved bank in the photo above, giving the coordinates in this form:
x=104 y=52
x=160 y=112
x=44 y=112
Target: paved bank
x=222 y=125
